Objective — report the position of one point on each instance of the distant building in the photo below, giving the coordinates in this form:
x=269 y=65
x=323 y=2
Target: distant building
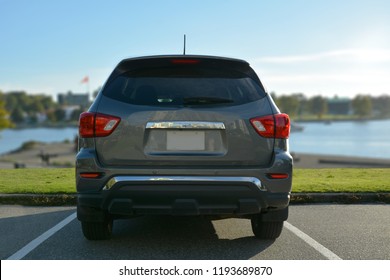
x=73 y=99
x=339 y=106
x=69 y=111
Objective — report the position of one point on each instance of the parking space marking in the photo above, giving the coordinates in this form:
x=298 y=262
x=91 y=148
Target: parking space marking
x=310 y=241
x=46 y=235
x=40 y=239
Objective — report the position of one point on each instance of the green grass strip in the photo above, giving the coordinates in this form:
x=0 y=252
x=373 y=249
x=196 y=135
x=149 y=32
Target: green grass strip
x=61 y=180
x=38 y=181
x=341 y=180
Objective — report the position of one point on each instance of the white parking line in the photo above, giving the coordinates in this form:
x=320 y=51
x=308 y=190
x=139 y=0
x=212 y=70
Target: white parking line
x=40 y=239
x=317 y=246
x=46 y=235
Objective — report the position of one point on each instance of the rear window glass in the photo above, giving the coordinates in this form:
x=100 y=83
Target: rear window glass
x=184 y=87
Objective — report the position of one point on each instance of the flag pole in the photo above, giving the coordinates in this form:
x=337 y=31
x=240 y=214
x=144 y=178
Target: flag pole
x=86 y=81
x=89 y=97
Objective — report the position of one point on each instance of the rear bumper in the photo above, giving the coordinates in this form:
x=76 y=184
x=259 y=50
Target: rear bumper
x=180 y=195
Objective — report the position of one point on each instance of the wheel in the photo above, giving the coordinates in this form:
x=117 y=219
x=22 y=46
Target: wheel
x=266 y=230
x=97 y=230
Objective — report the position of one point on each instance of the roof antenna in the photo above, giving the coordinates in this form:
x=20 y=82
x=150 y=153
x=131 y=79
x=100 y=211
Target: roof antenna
x=184 y=50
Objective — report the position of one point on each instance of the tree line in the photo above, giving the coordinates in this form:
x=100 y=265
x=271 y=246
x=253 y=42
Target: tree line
x=19 y=107
x=297 y=105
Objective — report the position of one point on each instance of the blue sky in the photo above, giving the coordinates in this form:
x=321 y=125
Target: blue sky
x=316 y=47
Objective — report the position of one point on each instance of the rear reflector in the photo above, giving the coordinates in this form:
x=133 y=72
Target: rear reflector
x=91 y=175
x=272 y=126
x=277 y=175
x=97 y=125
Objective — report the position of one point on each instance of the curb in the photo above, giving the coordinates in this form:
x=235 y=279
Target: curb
x=39 y=199
x=296 y=198
x=340 y=198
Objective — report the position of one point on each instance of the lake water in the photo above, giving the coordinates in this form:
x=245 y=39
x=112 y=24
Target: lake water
x=11 y=139
x=359 y=138
x=363 y=139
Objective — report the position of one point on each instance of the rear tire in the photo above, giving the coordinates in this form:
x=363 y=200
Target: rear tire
x=97 y=230
x=266 y=230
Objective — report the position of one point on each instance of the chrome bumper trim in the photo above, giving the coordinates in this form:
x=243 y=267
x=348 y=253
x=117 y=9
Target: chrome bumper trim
x=185 y=125
x=119 y=179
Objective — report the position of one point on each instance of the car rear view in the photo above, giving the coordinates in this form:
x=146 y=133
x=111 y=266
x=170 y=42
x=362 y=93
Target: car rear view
x=183 y=135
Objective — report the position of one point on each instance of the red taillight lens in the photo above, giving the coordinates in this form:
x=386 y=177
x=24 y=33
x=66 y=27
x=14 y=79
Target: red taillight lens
x=97 y=125
x=282 y=126
x=277 y=175
x=265 y=126
x=272 y=126
x=86 y=124
x=91 y=175
x=105 y=125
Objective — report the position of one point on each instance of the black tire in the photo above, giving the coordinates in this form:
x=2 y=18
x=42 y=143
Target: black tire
x=97 y=230
x=266 y=230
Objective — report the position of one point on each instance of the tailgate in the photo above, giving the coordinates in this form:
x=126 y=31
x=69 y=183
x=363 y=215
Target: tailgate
x=185 y=137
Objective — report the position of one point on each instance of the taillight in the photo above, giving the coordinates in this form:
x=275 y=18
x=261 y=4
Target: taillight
x=105 y=125
x=97 y=125
x=272 y=126
x=86 y=124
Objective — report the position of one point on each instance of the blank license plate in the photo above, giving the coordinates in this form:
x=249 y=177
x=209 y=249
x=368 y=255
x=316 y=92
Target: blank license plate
x=185 y=140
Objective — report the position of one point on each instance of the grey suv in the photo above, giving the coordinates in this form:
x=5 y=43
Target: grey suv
x=183 y=135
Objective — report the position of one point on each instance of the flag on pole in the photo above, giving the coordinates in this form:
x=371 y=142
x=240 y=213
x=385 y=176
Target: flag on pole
x=85 y=80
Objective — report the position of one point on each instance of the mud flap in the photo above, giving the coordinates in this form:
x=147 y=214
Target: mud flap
x=275 y=216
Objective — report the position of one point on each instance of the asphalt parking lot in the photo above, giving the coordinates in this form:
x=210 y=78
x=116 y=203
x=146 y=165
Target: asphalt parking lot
x=316 y=232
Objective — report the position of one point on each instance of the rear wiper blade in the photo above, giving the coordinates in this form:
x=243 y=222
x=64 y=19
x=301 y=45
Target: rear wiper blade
x=205 y=100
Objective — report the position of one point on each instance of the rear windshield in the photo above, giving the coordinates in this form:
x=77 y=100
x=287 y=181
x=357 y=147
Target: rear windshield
x=184 y=87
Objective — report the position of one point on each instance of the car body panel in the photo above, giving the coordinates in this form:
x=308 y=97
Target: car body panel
x=131 y=144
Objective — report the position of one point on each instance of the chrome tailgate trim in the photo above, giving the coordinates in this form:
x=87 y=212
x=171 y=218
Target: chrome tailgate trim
x=185 y=125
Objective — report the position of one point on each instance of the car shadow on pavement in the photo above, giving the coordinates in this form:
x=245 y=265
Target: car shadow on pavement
x=141 y=238
x=164 y=237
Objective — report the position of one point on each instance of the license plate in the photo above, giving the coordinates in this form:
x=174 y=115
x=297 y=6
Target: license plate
x=185 y=140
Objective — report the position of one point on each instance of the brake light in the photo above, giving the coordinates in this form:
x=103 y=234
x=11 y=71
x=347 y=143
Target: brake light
x=97 y=125
x=184 y=61
x=272 y=126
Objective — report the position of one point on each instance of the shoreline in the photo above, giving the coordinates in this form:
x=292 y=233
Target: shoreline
x=341 y=119
x=40 y=155
x=306 y=160
x=62 y=154
x=332 y=118
x=45 y=125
